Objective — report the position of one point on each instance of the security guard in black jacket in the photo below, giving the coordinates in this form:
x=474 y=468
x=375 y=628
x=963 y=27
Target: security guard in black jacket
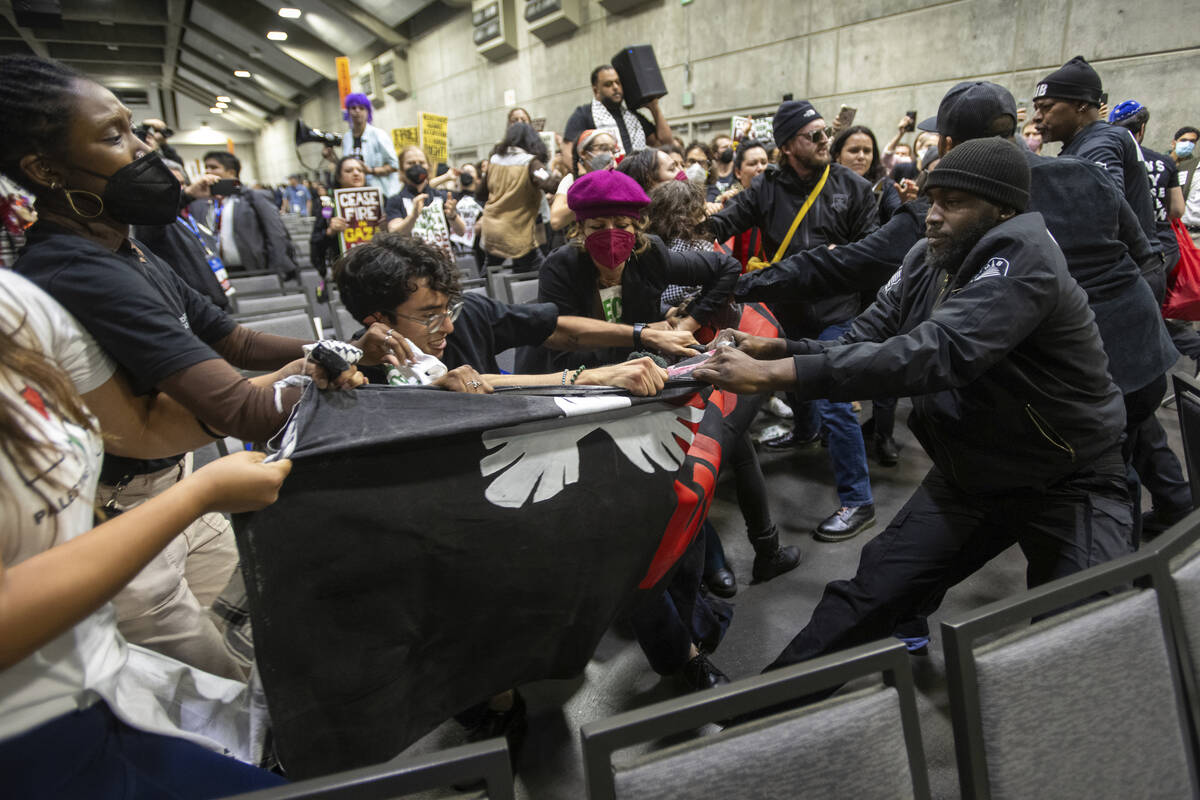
x=1066 y=108
x=988 y=332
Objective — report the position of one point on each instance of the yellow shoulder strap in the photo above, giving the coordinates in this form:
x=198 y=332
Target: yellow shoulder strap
x=812 y=198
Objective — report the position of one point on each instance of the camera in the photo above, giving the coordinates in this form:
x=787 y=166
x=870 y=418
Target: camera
x=305 y=134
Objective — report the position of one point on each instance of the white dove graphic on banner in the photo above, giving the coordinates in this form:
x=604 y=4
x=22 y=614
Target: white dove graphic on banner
x=541 y=459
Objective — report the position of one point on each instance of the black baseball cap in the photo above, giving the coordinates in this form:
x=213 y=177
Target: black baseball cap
x=967 y=111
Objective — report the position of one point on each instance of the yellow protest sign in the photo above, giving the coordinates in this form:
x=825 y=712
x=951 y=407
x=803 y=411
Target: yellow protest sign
x=434 y=140
x=405 y=137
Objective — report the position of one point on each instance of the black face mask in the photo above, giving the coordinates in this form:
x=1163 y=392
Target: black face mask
x=726 y=156
x=416 y=174
x=466 y=180
x=143 y=192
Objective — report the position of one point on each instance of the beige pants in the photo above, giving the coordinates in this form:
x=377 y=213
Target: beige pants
x=165 y=607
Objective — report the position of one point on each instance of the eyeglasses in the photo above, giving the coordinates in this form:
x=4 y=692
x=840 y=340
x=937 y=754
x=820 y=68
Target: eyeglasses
x=816 y=137
x=701 y=161
x=433 y=323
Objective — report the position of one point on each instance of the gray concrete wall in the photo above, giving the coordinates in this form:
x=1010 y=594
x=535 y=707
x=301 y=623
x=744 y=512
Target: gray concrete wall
x=881 y=56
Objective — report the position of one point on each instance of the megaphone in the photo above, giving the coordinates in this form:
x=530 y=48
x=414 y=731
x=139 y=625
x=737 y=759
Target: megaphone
x=305 y=134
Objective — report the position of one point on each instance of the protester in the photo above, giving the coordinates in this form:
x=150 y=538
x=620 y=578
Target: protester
x=373 y=146
x=722 y=151
x=296 y=198
x=1164 y=178
x=856 y=148
x=349 y=173
x=606 y=111
x=83 y=714
x=593 y=151
x=650 y=168
x=164 y=335
x=512 y=194
x=842 y=210
x=676 y=215
x=420 y=209
x=1032 y=137
x=1041 y=468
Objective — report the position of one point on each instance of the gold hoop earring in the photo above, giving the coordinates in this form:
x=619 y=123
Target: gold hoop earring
x=71 y=202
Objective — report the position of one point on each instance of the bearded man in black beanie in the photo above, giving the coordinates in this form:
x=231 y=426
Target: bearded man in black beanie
x=1066 y=108
x=986 y=330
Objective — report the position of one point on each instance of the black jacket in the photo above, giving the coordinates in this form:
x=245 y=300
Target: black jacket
x=262 y=241
x=1092 y=224
x=178 y=246
x=568 y=279
x=1115 y=149
x=862 y=266
x=844 y=212
x=1002 y=359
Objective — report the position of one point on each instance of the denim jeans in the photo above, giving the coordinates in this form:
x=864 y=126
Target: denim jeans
x=846 y=449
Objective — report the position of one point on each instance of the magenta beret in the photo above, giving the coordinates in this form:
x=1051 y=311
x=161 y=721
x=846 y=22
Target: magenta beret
x=606 y=193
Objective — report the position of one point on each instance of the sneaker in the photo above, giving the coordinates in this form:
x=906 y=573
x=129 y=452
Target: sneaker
x=778 y=408
x=845 y=523
x=770 y=432
x=916 y=645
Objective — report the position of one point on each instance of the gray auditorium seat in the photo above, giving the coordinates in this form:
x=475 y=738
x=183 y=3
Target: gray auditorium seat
x=344 y=323
x=521 y=289
x=296 y=324
x=864 y=745
x=257 y=284
x=482 y=761
x=1187 y=401
x=270 y=304
x=1085 y=704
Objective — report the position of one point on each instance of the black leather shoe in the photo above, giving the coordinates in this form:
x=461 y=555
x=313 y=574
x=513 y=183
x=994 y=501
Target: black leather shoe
x=770 y=558
x=1158 y=520
x=886 y=451
x=722 y=583
x=699 y=674
x=845 y=523
x=789 y=439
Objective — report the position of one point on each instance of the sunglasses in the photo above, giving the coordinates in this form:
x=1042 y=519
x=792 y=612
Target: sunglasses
x=816 y=137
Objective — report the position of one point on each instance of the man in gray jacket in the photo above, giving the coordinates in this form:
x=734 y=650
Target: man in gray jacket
x=251 y=234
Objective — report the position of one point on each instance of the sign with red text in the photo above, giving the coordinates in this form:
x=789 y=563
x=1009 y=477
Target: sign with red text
x=363 y=211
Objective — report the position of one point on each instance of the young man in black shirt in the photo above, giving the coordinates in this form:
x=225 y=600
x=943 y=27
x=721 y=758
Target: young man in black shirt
x=1164 y=178
x=407 y=284
x=986 y=330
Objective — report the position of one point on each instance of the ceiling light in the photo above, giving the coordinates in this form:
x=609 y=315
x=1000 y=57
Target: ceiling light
x=219 y=104
x=289 y=13
x=217 y=110
x=241 y=73
x=277 y=36
x=223 y=99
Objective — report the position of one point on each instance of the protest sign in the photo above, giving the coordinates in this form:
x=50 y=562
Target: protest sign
x=434 y=140
x=363 y=211
x=405 y=137
x=761 y=128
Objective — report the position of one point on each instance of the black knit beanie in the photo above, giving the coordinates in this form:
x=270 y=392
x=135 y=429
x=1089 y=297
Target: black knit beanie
x=991 y=168
x=791 y=116
x=1074 y=80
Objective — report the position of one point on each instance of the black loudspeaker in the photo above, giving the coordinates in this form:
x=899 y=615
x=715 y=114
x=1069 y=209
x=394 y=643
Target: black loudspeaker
x=38 y=13
x=641 y=79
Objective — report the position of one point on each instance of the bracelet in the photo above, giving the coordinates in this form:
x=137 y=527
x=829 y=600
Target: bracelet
x=638 y=327
x=578 y=372
x=564 y=377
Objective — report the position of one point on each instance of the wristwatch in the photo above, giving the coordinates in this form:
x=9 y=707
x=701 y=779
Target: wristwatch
x=638 y=327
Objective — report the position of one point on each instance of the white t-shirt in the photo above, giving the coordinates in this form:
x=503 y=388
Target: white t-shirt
x=51 y=504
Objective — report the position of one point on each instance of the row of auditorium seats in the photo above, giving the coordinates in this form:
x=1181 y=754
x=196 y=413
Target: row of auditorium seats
x=1100 y=701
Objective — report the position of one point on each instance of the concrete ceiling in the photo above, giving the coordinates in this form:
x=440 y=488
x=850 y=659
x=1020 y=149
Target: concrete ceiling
x=172 y=57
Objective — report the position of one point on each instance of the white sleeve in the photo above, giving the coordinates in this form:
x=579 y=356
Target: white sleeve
x=1191 y=211
x=25 y=307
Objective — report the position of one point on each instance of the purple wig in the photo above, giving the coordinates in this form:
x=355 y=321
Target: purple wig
x=357 y=99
